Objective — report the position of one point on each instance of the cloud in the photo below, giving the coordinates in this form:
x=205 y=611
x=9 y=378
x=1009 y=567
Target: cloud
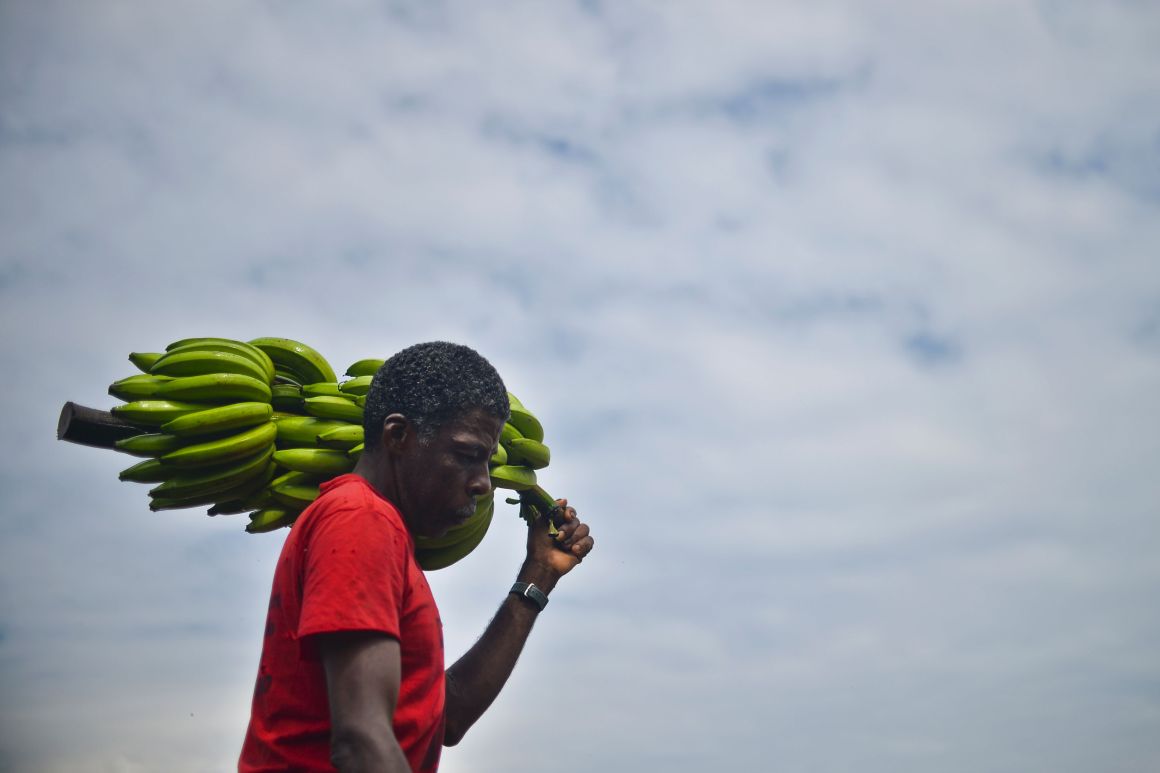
x=841 y=321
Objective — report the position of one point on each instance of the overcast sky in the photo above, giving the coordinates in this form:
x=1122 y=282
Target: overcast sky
x=843 y=320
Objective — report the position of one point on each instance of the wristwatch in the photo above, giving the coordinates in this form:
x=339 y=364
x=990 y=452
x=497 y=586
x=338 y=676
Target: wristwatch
x=530 y=592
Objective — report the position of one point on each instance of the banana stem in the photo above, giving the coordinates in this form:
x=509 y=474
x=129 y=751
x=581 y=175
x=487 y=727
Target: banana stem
x=541 y=500
x=90 y=427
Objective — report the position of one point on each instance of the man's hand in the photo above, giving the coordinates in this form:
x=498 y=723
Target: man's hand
x=552 y=557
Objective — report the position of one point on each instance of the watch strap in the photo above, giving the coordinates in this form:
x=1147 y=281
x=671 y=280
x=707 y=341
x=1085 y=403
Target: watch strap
x=530 y=592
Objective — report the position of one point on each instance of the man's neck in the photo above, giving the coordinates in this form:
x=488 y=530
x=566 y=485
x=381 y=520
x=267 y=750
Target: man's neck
x=381 y=478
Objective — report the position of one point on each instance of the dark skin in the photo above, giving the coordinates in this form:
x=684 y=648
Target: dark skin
x=434 y=486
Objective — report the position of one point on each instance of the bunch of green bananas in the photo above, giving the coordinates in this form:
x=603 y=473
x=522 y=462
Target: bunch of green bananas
x=255 y=427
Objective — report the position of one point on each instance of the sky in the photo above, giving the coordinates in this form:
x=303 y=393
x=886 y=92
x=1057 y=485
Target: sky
x=842 y=318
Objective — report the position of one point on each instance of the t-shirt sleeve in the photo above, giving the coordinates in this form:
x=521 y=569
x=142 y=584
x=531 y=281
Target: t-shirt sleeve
x=354 y=574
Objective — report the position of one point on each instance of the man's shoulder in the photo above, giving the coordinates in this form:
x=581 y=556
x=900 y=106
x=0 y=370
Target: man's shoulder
x=350 y=499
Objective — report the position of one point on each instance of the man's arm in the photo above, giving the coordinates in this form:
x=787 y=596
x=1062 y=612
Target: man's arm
x=475 y=680
x=362 y=684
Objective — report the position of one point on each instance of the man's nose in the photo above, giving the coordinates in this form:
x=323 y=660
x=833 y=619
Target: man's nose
x=480 y=483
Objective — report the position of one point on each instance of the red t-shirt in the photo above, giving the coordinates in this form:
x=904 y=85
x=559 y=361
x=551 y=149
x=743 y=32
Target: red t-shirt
x=348 y=565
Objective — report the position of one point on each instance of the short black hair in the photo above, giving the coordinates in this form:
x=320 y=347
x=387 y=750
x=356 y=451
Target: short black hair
x=431 y=383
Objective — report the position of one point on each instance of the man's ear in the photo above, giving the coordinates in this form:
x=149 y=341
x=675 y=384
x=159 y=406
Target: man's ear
x=397 y=433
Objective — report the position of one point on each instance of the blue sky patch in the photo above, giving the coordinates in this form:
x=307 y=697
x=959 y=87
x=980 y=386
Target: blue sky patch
x=933 y=350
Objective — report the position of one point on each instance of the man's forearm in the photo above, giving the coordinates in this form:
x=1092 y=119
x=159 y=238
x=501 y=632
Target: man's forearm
x=474 y=681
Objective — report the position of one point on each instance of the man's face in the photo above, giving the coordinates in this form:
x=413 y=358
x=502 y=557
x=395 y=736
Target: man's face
x=439 y=480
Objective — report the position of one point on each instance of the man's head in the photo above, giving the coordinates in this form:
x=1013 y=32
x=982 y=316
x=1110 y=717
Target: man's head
x=431 y=421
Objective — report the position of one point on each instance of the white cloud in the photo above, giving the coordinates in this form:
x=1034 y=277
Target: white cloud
x=837 y=316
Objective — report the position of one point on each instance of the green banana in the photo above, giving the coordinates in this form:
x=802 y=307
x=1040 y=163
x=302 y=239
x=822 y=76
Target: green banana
x=296 y=479
x=508 y=434
x=215 y=388
x=247 y=488
x=513 y=477
x=148 y=471
x=253 y=353
x=527 y=424
x=295 y=495
x=213 y=480
x=223 y=450
x=248 y=496
x=247 y=505
x=153 y=444
x=233 y=507
x=361 y=401
x=140 y=386
x=339 y=408
x=297 y=358
x=271 y=519
x=499 y=457
x=303 y=431
x=144 y=360
x=438 y=558
x=342 y=438
x=533 y=453
x=286 y=397
x=357 y=386
x=356 y=452
x=441 y=558
x=318 y=461
x=164 y=503
x=322 y=389
x=368 y=367
x=203 y=340
x=514 y=401
x=153 y=413
x=283 y=376
x=198 y=362
x=212 y=421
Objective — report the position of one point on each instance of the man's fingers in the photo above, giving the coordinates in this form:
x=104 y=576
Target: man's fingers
x=561 y=514
x=576 y=540
x=582 y=547
x=564 y=519
x=576 y=532
x=572 y=535
x=567 y=525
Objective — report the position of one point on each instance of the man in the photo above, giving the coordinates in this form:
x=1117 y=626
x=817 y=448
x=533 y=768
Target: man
x=351 y=676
